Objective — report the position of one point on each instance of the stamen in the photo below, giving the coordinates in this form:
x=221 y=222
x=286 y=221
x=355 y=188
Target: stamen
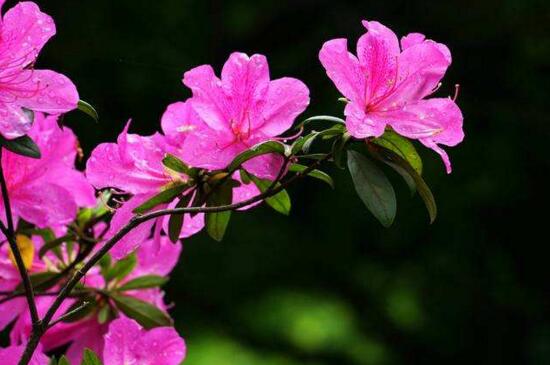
x=457 y=91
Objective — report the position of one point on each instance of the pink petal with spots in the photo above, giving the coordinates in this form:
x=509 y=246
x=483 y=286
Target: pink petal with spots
x=128 y=343
x=209 y=99
x=286 y=99
x=344 y=70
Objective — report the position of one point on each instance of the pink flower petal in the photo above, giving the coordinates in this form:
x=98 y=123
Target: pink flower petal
x=421 y=67
x=48 y=92
x=362 y=125
x=245 y=192
x=178 y=121
x=133 y=165
x=138 y=235
x=11 y=356
x=286 y=99
x=433 y=121
x=14 y=121
x=265 y=166
x=378 y=51
x=245 y=81
x=344 y=70
x=25 y=30
x=90 y=337
x=154 y=260
x=209 y=99
x=128 y=343
x=412 y=39
x=210 y=149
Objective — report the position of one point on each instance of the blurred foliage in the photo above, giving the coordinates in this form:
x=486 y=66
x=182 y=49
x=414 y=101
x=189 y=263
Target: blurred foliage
x=328 y=285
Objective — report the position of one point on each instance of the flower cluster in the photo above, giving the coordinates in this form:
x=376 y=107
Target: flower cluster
x=83 y=255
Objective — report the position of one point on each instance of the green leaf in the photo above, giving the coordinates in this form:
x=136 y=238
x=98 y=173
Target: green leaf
x=121 y=268
x=254 y=151
x=144 y=313
x=165 y=196
x=373 y=187
x=304 y=143
x=53 y=361
x=41 y=281
x=90 y=358
x=23 y=146
x=325 y=118
x=143 y=282
x=404 y=168
x=217 y=222
x=63 y=361
x=401 y=146
x=318 y=174
x=338 y=149
x=177 y=165
x=175 y=223
x=88 y=109
x=280 y=201
x=104 y=314
x=53 y=244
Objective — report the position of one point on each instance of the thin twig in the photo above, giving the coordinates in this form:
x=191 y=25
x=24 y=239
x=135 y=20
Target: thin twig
x=133 y=223
x=9 y=232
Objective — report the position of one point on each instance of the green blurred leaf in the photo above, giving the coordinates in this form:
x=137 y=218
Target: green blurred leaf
x=373 y=187
x=23 y=146
x=403 y=167
x=144 y=313
x=143 y=282
x=318 y=174
x=104 y=314
x=41 y=281
x=254 y=151
x=280 y=201
x=175 y=222
x=90 y=358
x=217 y=222
x=88 y=109
x=338 y=149
x=63 y=361
x=165 y=196
x=121 y=268
x=54 y=244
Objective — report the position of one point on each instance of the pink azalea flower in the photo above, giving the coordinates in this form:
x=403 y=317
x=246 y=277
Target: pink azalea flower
x=47 y=191
x=134 y=165
x=238 y=111
x=24 y=30
x=128 y=343
x=11 y=355
x=386 y=85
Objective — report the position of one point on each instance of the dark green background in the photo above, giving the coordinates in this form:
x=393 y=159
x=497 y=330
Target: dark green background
x=329 y=285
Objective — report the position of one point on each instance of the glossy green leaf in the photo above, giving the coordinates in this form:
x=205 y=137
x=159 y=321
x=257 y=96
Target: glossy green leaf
x=254 y=151
x=403 y=167
x=23 y=146
x=177 y=165
x=338 y=149
x=401 y=146
x=324 y=118
x=317 y=174
x=144 y=313
x=175 y=222
x=143 y=282
x=164 y=197
x=373 y=187
x=217 y=222
x=280 y=201
x=90 y=358
x=121 y=268
x=88 y=109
